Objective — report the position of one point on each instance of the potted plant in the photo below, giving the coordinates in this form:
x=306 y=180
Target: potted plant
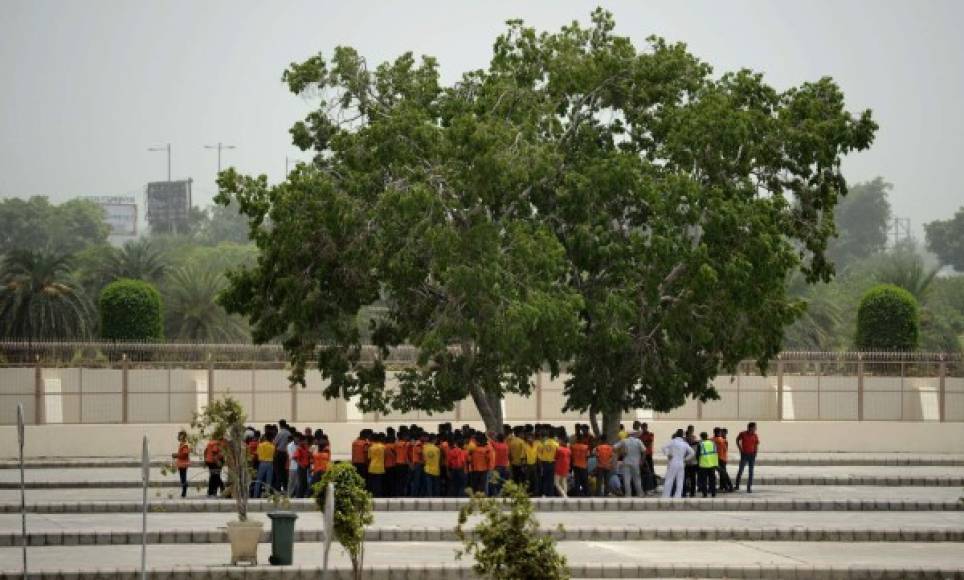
x=224 y=419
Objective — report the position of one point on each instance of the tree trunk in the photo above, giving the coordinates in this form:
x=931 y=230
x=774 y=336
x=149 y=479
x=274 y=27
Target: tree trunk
x=490 y=408
x=594 y=420
x=611 y=421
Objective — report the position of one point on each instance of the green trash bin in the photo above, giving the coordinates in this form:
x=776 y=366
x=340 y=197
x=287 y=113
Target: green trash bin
x=282 y=538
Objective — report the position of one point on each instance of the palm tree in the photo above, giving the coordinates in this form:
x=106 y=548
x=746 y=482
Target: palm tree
x=906 y=268
x=138 y=260
x=191 y=308
x=818 y=326
x=38 y=300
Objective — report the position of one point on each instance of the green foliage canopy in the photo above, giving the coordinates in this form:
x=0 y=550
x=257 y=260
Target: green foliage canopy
x=888 y=319
x=576 y=198
x=131 y=310
x=862 y=220
x=35 y=223
x=946 y=239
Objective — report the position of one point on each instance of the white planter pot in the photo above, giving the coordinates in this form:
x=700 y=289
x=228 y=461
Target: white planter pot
x=244 y=537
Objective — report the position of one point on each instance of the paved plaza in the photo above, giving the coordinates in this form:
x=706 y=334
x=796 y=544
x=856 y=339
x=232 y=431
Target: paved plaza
x=877 y=520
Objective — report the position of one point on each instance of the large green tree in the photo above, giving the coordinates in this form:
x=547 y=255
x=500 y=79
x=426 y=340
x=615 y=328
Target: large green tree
x=578 y=199
x=863 y=219
x=39 y=300
x=35 y=223
x=190 y=308
x=684 y=201
x=946 y=239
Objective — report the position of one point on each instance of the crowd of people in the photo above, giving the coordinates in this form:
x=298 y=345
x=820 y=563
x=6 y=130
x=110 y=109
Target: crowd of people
x=546 y=459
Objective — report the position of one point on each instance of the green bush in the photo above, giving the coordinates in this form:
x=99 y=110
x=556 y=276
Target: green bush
x=888 y=319
x=131 y=310
x=353 y=510
x=507 y=541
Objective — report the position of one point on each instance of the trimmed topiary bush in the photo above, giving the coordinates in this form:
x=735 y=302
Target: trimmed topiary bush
x=888 y=319
x=131 y=310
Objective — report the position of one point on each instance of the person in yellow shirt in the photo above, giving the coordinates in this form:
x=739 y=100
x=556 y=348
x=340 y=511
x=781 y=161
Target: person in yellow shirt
x=622 y=432
x=532 y=460
x=547 y=465
x=517 y=455
x=432 y=457
x=264 y=479
x=376 y=465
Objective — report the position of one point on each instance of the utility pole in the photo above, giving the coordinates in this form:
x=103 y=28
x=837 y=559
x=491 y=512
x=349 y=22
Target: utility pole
x=168 y=149
x=219 y=147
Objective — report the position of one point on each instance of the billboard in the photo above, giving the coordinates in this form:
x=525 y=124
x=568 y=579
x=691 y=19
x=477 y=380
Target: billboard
x=120 y=213
x=168 y=205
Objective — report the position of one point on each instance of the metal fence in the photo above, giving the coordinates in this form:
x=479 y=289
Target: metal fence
x=166 y=383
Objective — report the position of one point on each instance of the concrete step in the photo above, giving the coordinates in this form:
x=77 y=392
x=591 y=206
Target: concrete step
x=566 y=533
x=653 y=504
x=463 y=571
x=762 y=480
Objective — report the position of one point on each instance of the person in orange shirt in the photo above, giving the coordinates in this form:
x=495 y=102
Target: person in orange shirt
x=580 y=466
x=417 y=474
x=182 y=460
x=722 y=446
x=214 y=459
x=402 y=460
x=320 y=459
x=480 y=457
x=455 y=465
x=604 y=465
x=359 y=453
x=563 y=467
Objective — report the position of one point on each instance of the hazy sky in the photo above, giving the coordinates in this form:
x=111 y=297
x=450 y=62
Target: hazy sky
x=88 y=86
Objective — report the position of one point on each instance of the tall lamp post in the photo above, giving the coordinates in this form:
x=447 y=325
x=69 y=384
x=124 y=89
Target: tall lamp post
x=168 y=149
x=219 y=147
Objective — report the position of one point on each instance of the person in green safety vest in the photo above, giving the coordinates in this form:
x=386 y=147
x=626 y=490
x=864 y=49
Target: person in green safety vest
x=708 y=461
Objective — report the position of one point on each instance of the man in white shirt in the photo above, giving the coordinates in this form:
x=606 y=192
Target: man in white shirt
x=677 y=452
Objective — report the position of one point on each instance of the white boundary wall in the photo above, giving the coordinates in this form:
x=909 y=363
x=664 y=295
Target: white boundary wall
x=787 y=436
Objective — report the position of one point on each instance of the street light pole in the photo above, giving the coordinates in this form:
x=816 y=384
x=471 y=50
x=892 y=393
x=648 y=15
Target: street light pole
x=168 y=149
x=219 y=147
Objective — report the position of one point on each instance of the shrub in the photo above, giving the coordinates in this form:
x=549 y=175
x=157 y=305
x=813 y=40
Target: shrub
x=888 y=319
x=507 y=543
x=223 y=419
x=131 y=310
x=353 y=510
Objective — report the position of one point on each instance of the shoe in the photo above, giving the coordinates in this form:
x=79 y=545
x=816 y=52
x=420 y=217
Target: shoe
x=749 y=491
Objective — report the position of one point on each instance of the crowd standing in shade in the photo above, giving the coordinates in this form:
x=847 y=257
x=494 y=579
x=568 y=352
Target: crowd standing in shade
x=546 y=459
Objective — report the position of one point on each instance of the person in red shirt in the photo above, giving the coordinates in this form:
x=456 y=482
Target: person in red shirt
x=604 y=466
x=649 y=475
x=302 y=458
x=391 y=460
x=749 y=443
x=182 y=460
x=563 y=465
x=580 y=466
x=455 y=459
x=500 y=452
